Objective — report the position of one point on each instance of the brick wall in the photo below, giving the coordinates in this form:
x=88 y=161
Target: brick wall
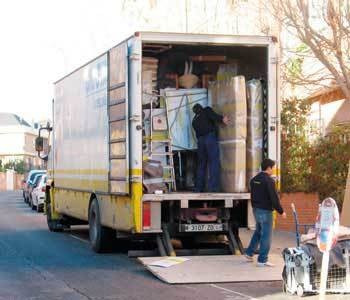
x=2 y=181
x=19 y=181
x=306 y=206
x=17 y=178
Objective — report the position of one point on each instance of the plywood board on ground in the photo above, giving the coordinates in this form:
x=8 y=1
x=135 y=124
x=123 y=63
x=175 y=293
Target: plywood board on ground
x=215 y=269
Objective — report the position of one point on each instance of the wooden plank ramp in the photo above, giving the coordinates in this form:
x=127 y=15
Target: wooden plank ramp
x=215 y=269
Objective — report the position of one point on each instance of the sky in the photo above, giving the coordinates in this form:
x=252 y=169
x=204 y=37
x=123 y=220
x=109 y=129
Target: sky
x=42 y=41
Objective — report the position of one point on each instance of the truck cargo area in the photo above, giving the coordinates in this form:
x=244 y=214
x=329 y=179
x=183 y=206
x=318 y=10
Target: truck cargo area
x=174 y=78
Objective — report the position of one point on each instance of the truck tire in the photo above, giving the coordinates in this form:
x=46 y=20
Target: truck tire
x=101 y=237
x=54 y=225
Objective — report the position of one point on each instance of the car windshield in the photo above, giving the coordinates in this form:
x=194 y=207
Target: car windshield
x=32 y=176
x=43 y=180
x=36 y=180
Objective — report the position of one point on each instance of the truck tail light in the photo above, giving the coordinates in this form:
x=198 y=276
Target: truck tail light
x=146 y=215
x=43 y=189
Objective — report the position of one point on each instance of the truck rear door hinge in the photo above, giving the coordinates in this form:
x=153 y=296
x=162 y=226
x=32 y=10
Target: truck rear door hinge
x=135 y=118
x=274 y=60
x=134 y=56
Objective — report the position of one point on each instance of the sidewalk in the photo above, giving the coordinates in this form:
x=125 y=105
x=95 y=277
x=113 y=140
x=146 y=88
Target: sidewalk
x=280 y=239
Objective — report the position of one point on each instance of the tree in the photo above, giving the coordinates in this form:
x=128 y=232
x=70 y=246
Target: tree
x=296 y=148
x=17 y=165
x=330 y=163
x=324 y=27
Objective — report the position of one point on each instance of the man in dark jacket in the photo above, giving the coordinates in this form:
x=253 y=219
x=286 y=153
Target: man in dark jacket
x=264 y=200
x=205 y=125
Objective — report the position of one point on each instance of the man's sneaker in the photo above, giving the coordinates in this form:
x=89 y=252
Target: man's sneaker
x=265 y=264
x=248 y=257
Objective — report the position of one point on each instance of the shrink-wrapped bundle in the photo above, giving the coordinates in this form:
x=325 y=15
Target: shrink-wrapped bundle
x=255 y=127
x=229 y=98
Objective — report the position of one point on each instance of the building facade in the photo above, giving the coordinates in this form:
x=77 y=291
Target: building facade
x=17 y=141
x=329 y=108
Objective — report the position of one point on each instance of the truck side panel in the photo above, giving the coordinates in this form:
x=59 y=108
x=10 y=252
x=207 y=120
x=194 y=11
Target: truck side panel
x=81 y=129
x=90 y=115
x=72 y=203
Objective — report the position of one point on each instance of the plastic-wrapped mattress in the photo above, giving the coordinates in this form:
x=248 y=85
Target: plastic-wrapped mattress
x=229 y=98
x=254 y=127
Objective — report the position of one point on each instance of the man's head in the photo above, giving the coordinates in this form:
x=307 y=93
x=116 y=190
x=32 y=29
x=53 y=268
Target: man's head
x=197 y=108
x=267 y=166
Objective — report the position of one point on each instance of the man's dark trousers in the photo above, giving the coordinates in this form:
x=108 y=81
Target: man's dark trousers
x=208 y=155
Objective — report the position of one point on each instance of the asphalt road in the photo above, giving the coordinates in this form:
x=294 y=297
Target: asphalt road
x=38 y=264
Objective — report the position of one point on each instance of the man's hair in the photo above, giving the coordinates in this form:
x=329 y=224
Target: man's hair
x=197 y=108
x=266 y=163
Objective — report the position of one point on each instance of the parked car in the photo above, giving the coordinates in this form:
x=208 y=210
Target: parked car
x=28 y=182
x=32 y=185
x=38 y=194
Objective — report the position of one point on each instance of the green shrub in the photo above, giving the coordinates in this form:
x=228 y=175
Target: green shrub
x=17 y=165
x=296 y=147
x=330 y=164
x=318 y=166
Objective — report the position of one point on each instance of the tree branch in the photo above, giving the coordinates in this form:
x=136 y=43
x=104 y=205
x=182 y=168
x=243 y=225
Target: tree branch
x=327 y=45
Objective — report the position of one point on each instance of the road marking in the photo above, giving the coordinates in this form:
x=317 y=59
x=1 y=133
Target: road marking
x=80 y=239
x=232 y=291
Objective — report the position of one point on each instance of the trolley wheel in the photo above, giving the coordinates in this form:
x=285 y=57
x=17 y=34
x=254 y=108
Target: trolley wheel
x=284 y=287
x=300 y=290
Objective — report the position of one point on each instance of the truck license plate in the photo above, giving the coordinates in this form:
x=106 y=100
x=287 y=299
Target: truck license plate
x=203 y=227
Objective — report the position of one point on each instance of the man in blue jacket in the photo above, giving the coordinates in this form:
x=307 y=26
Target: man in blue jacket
x=205 y=124
x=264 y=200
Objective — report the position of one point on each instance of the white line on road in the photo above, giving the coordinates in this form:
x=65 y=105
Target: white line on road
x=80 y=239
x=231 y=291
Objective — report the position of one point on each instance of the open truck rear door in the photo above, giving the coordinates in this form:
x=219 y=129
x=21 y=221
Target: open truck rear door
x=118 y=120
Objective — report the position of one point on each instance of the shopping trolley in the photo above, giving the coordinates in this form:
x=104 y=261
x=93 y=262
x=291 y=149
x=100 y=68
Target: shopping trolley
x=301 y=273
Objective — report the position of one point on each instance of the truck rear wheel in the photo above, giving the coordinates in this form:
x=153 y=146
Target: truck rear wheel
x=101 y=237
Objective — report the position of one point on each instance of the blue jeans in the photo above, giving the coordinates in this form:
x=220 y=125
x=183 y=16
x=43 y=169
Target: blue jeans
x=262 y=234
x=208 y=155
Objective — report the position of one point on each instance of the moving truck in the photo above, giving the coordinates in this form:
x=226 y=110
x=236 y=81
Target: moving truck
x=96 y=160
